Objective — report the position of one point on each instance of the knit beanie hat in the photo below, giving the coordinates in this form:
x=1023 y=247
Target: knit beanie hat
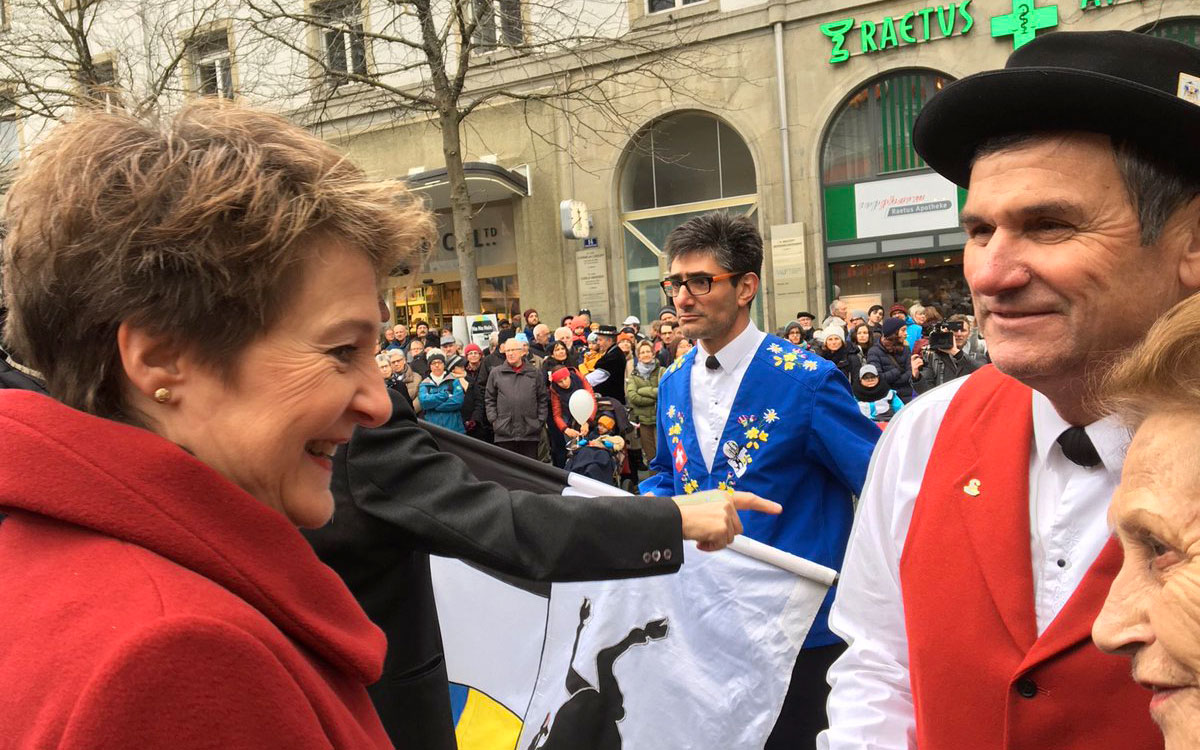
x=892 y=326
x=606 y=422
x=472 y=348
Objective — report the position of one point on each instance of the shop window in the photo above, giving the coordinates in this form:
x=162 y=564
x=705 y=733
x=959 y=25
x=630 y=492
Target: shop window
x=343 y=41
x=934 y=279
x=871 y=134
x=1186 y=30
x=682 y=165
x=211 y=65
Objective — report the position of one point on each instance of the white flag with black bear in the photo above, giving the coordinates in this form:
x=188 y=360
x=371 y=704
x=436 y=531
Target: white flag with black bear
x=700 y=659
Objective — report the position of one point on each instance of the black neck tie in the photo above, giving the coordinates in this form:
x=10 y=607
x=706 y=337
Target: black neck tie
x=1078 y=448
x=712 y=363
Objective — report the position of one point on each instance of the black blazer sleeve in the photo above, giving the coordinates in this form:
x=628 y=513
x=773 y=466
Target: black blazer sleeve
x=428 y=500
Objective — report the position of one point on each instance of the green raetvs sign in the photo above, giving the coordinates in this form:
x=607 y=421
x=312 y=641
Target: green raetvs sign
x=851 y=35
x=934 y=22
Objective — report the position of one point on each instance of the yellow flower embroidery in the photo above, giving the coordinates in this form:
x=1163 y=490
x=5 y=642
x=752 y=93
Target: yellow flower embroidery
x=752 y=433
x=675 y=429
x=774 y=348
x=723 y=486
x=671 y=411
x=770 y=416
x=691 y=486
x=810 y=365
x=762 y=436
x=790 y=357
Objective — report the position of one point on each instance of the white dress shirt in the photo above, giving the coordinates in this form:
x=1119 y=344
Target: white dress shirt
x=713 y=391
x=871 y=702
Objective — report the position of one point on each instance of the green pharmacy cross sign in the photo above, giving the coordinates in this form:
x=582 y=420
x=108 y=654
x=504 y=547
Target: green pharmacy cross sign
x=1024 y=22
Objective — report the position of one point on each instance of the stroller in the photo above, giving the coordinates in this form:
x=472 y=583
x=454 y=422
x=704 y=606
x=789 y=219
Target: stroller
x=606 y=464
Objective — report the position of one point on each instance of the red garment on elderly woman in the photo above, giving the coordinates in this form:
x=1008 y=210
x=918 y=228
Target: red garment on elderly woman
x=150 y=603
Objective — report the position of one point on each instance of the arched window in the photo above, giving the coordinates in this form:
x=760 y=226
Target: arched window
x=681 y=165
x=1186 y=30
x=871 y=135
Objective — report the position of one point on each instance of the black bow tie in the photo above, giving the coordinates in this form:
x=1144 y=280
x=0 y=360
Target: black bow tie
x=712 y=363
x=1078 y=448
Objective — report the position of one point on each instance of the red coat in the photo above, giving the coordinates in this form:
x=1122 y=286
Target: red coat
x=981 y=676
x=146 y=602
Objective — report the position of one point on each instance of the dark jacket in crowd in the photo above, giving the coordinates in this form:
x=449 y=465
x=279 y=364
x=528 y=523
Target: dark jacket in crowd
x=516 y=402
x=419 y=365
x=895 y=370
x=474 y=413
x=941 y=367
x=856 y=357
x=840 y=360
x=399 y=498
x=613 y=362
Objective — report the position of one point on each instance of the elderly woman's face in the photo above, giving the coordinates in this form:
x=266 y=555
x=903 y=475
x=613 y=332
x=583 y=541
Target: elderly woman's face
x=298 y=392
x=1152 y=613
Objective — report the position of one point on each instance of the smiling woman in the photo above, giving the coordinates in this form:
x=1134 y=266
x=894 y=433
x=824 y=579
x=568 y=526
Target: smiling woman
x=201 y=296
x=1152 y=613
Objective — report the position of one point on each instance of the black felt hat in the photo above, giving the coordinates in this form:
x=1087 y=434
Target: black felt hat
x=1120 y=83
x=606 y=330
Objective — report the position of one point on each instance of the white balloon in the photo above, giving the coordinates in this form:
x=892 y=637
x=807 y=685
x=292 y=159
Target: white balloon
x=581 y=405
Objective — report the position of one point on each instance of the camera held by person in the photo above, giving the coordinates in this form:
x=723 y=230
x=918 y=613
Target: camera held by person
x=941 y=360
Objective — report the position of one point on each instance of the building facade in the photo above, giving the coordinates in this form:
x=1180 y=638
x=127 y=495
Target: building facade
x=800 y=117
x=797 y=113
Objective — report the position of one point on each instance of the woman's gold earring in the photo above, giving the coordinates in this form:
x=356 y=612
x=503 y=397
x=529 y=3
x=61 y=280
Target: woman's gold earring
x=162 y=395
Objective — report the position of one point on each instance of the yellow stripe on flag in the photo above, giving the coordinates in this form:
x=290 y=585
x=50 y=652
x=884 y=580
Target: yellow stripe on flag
x=486 y=725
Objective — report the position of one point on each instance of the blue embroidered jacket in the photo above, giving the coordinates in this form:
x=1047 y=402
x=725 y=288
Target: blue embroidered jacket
x=794 y=435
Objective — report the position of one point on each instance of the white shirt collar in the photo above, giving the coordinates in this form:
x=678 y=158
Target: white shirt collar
x=1110 y=437
x=743 y=345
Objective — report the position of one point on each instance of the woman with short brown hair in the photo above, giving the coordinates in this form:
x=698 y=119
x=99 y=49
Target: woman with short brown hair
x=201 y=296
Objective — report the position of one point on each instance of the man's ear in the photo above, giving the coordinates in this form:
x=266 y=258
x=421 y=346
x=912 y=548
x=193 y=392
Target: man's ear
x=150 y=361
x=747 y=288
x=1189 y=261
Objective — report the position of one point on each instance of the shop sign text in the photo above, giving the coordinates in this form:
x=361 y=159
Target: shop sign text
x=951 y=19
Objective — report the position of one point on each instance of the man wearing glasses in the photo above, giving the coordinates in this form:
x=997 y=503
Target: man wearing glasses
x=748 y=411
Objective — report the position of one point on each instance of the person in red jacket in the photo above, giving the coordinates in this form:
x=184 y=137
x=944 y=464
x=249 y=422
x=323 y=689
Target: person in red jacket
x=981 y=552
x=200 y=295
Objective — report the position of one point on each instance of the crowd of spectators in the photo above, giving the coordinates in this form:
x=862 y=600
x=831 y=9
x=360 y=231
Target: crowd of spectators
x=516 y=391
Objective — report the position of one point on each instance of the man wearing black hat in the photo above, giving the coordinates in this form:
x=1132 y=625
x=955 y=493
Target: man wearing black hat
x=608 y=379
x=981 y=553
